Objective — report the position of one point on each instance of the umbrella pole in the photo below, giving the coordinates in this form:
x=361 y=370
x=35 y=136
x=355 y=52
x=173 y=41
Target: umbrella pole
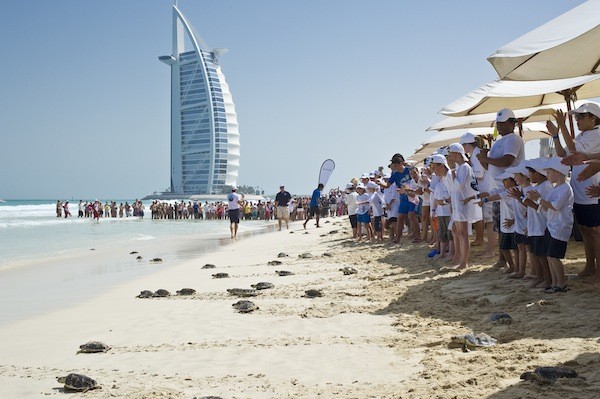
x=520 y=125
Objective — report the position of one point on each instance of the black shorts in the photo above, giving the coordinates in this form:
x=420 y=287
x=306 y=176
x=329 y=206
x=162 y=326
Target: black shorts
x=508 y=241
x=523 y=239
x=392 y=220
x=587 y=215
x=353 y=221
x=377 y=223
x=555 y=248
x=314 y=210
x=234 y=215
x=538 y=245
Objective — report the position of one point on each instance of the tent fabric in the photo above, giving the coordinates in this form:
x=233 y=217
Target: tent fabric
x=531 y=131
x=565 y=47
x=499 y=94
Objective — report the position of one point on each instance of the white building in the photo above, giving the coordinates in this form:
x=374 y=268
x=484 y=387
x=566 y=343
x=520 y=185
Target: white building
x=205 y=141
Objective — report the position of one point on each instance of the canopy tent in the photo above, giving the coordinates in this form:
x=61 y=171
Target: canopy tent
x=565 y=47
x=536 y=114
x=499 y=94
x=531 y=131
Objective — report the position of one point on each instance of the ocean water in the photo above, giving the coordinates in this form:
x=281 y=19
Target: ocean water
x=48 y=263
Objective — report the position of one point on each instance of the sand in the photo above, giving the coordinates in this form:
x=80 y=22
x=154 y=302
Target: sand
x=380 y=333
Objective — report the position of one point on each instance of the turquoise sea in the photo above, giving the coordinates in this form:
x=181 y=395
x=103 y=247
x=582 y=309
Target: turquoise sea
x=48 y=262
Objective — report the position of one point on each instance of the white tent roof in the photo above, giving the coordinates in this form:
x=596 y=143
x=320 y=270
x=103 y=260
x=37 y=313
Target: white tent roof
x=565 y=47
x=499 y=94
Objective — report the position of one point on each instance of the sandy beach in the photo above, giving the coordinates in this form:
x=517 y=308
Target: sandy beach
x=380 y=333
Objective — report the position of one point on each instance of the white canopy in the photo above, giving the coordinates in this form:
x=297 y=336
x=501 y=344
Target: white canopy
x=531 y=131
x=499 y=94
x=565 y=47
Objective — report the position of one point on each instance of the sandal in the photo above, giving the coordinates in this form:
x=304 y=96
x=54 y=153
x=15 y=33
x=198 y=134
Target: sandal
x=563 y=289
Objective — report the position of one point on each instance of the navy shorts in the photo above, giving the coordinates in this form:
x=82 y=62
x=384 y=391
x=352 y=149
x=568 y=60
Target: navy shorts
x=353 y=221
x=234 y=215
x=587 y=215
x=555 y=248
x=522 y=239
x=405 y=206
x=508 y=241
x=363 y=218
x=314 y=210
x=377 y=223
x=538 y=245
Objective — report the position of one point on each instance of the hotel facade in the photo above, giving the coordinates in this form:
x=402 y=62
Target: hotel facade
x=205 y=140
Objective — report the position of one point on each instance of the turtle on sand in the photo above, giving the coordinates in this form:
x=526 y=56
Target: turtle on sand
x=333 y=232
x=208 y=397
x=145 y=294
x=208 y=266
x=312 y=294
x=501 y=318
x=284 y=273
x=155 y=260
x=78 y=382
x=186 y=291
x=328 y=254
x=220 y=275
x=549 y=375
x=133 y=252
x=138 y=257
x=348 y=270
x=471 y=341
x=282 y=255
x=242 y=292
x=162 y=293
x=93 y=347
x=245 y=306
x=262 y=286
x=274 y=263
x=305 y=255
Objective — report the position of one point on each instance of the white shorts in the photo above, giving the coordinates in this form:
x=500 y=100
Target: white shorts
x=393 y=213
x=488 y=212
x=283 y=212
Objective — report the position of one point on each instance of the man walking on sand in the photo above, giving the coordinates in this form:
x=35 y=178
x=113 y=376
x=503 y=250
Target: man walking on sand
x=314 y=205
x=282 y=200
x=234 y=203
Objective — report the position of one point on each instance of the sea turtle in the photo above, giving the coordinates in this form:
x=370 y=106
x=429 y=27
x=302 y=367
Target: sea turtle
x=262 y=286
x=305 y=255
x=549 y=375
x=501 y=318
x=245 y=306
x=471 y=341
x=274 y=263
x=162 y=293
x=242 y=292
x=138 y=257
x=333 y=232
x=284 y=273
x=347 y=270
x=208 y=266
x=186 y=291
x=312 y=294
x=208 y=397
x=328 y=254
x=78 y=382
x=93 y=347
x=145 y=294
x=155 y=260
x=220 y=275
x=133 y=252
x=282 y=255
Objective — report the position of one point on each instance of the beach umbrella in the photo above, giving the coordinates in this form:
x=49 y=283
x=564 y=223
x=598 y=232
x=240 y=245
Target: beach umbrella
x=531 y=131
x=565 y=47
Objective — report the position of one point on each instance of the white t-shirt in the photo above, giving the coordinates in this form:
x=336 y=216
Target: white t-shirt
x=521 y=214
x=560 y=221
x=440 y=193
x=507 y=211
x=351 y=203
x=484 y=180
x=232 y=201
x=588 y=142
x=536 y=219
x=377 y=204
x=363 y=208
x=424 y=183
x=511 y=144
x=463 y=188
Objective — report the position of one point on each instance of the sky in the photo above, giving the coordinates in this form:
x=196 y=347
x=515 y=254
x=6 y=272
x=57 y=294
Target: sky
x=84 y=109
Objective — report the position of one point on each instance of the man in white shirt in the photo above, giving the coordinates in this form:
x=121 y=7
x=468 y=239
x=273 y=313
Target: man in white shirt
x=352 y=207
x=234 y=204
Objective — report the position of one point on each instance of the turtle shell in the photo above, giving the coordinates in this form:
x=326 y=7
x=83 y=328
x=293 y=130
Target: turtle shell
x=78 y=382
x=162 y=293
x=501 y=318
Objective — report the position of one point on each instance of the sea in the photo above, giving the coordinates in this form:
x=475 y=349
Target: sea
x=48 y=262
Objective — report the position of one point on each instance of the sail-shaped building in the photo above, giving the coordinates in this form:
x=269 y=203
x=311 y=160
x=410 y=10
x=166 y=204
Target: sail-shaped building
x=205 y=141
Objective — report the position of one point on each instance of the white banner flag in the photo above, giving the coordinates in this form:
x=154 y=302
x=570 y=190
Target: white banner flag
x=326 y=171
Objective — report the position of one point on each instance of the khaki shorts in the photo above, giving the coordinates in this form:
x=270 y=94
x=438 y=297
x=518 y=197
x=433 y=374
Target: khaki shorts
x=283 y=212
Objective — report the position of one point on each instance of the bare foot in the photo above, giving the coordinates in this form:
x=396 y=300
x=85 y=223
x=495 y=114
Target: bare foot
x=536 y=282
x=476 y=243
x=587 y=272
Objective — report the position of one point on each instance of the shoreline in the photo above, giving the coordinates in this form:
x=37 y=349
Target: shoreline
x=383 y=332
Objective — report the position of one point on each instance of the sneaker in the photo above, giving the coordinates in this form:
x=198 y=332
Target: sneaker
x=432 y=253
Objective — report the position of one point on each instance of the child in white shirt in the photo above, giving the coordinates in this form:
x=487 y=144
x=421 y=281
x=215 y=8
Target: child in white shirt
x=362 y=215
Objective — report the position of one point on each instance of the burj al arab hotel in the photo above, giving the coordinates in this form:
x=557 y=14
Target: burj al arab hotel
x=205 y=141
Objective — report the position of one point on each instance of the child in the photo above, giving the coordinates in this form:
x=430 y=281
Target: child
x=362 y=216
x=521 y=175
x=440 y=203
x=391 y=198
x=558 y=204
x=376 y=202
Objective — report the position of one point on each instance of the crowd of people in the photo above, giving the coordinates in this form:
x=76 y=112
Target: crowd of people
x=525 y=208
x=95 y=209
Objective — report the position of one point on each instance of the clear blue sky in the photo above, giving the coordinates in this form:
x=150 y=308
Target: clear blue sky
x=84 y=110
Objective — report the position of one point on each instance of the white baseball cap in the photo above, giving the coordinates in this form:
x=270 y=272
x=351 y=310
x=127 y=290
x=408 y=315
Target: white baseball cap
x=349 y=186
x=505 y=175
x=467 y=138
x=591 y=108
x=438 y=158
x=233 y=187
x=456 y=147
x=505 y=114
x=360 y=185
x=372 y=184
x=537 y=164
x=365 y=176
x=520 y=168
x=555 y=163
